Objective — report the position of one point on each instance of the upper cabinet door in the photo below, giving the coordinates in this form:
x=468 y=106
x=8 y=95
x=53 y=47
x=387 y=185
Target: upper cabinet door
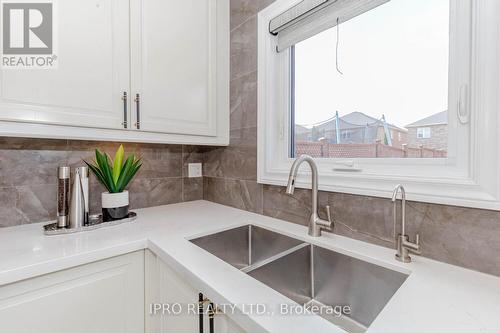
x=175 y=67
x=91 y=42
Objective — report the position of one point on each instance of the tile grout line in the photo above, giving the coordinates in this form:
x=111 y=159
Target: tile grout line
x=234 y=179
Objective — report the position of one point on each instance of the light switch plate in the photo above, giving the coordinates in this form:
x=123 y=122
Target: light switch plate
x=195 y=170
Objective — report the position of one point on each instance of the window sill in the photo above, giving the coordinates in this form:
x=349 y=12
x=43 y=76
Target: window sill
x=456 y=192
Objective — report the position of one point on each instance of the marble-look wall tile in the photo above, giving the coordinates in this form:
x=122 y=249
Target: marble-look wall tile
x=371 y=215
x=296 y=208
x=243 y=57
x=192 y=189
x=30 y=166
x=10 y=215
x=243 y=101
x=37 y=202
x=191 y=154
x=462 y=236
x=28 y=176
x=246 y=195
x=242 y=10
x=244 y=137
x=159 y=161
x=155 y=192
x=371 y=219
x=27 y=204
x=11 y=143
x=231 y=162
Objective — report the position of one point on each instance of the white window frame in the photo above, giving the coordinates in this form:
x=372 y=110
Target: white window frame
x=469 y=177
x=424 y=132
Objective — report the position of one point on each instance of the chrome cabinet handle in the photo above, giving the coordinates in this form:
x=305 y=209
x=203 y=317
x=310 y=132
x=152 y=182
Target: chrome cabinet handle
x=125 y=100
x=138 y=110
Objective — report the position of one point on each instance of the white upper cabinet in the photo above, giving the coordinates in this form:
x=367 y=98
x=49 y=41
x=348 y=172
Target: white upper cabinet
x=92 y=70
x=170 y=58
x=174 y=64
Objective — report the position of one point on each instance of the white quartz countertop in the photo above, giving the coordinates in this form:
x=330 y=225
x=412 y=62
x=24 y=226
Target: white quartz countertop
x=436 y=297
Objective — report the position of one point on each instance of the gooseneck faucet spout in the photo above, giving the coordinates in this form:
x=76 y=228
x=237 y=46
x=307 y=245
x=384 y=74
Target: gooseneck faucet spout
x=316 y=224
x=403 y=245
x=399 y=188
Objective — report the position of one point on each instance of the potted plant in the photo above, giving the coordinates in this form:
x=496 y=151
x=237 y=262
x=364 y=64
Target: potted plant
x=115 y=177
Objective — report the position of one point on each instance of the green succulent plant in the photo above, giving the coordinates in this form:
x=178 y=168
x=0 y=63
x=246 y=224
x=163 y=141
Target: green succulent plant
x=117 y=176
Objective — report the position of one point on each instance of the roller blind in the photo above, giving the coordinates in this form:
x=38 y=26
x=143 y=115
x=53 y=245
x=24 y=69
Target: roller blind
x=310 y=17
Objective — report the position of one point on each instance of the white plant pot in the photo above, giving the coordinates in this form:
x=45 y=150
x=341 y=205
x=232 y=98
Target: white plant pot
x=114 y=205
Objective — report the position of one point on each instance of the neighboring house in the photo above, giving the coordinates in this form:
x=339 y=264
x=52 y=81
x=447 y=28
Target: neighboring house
x=356 y=127
x=430 y=132
x=303 y=133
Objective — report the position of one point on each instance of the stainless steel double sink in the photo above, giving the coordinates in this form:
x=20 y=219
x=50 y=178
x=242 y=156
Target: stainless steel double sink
x=308 y=274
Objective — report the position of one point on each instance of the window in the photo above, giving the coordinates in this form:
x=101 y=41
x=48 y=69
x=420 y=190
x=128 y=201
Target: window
x=338 y=87
x=423 y=133
x=341 y=78
x=346 y=135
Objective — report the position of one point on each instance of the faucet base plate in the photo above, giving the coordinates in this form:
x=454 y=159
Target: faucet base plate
x=403 y=258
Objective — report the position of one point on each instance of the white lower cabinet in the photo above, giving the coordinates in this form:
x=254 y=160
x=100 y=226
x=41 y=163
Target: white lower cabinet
x=115 y=295
x=166 y=288
x=102 y=297
x=223 y=324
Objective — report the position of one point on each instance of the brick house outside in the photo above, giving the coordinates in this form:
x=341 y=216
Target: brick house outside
x=430 y=132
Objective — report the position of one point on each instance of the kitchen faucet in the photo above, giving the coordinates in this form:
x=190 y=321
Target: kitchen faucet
x=403 y=245
x=316 y=224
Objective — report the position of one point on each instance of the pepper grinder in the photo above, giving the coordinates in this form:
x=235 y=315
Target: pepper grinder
x=64 y=174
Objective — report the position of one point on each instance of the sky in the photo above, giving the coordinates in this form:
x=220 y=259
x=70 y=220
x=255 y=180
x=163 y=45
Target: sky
x=394 y=59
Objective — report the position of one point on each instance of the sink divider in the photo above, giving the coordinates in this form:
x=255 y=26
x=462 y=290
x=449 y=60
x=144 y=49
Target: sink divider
x=252 y=267
x=250 y=229
x=313 y=292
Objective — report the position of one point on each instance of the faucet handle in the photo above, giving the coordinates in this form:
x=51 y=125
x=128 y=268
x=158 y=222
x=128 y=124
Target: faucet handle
x=417 y=249
x=413 y=247
x=328 y=225
x=329 y=213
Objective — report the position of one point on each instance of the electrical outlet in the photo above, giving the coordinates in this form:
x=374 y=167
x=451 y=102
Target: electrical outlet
x=195 y=170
